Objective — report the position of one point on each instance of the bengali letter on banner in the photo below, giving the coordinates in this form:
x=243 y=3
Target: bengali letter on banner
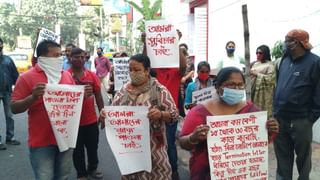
x=64 y=105
x=128 y=134
x=162 y=44
x=46 y=34
x=204 y=94
x=238 y=146
x=121 y=72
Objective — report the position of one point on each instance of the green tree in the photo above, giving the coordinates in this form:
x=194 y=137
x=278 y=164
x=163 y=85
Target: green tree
x=148 y=13
x=44 y=13
x=91 y=27
x=9 y=25
x=277 y=50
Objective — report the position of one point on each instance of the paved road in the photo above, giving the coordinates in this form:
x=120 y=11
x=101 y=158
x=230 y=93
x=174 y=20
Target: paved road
x=15 y=165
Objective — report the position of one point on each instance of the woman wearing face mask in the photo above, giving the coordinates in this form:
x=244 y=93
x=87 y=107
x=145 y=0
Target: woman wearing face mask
x=263 y=79
x=144 y=90
x=230 y=85
x=231 y=60
x=202 y=81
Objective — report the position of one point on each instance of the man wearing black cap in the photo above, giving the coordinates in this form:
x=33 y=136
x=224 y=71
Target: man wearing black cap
x=296 y=105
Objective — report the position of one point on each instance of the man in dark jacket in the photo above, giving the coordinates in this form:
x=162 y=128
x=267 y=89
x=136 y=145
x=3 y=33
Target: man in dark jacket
x=296 y=105
x=8 y=77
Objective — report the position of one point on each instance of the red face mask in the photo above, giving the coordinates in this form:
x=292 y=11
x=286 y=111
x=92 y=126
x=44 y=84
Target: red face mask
x=203 y=76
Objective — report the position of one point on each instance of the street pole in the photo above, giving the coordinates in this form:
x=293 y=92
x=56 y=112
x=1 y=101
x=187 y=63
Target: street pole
x=117 y=41
x=247 y=50
x=109 y=31
x=19 y=13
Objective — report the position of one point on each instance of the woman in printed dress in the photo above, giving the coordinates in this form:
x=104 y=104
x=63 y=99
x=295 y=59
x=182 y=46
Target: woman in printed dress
x=230 y=85
x=143 y=90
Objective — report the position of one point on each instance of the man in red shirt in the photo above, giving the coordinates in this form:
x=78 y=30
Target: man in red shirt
x=88 y=135
x=171 y=78
x=46 y=160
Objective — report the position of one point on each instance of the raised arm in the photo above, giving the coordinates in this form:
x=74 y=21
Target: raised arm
x=19 y=106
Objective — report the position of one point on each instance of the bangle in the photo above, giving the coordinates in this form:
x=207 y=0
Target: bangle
x=192 y=142
x=161 y=115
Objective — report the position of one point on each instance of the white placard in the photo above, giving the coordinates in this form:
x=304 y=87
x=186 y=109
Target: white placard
x=128 y=134
x=64 y=105
x=238 y=146
x=46 y=34
x=203 y=95
x=162 y=44
x=121 y=72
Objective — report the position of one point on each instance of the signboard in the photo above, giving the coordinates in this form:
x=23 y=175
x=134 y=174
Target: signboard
x=46 y=34
x=238 y=146
x=24 y=42
x=121 y=72
x=64 y=106
x=203 y=95
x=162 y=44
x=128 y=134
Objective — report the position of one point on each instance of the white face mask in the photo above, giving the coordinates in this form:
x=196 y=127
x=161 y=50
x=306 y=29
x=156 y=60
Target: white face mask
x=52 y=66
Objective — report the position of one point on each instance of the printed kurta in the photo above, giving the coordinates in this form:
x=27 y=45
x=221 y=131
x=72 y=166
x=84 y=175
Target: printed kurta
x=152 y=94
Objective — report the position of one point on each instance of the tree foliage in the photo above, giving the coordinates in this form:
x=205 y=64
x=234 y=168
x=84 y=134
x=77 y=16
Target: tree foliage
x=9 y=25
x=35 y=14
x=277 y=50
x=91 y=27
x=31 y=15
x=148 y=13
x=44 y=13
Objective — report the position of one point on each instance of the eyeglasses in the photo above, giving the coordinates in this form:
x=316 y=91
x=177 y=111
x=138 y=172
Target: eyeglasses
x=259 y=52
x=233 y=85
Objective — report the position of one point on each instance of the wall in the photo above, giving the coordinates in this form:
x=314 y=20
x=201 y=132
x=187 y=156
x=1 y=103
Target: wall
x=269 y=21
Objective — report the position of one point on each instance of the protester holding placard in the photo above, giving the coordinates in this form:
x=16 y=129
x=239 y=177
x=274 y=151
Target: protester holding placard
x=88 y=135
x=112 y=82
x=143 y=90
x=171 y=78
x=46 y=159
x=202 y=81
x=230 y=85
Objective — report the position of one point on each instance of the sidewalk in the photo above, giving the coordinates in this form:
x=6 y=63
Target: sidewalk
x=315 y=172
